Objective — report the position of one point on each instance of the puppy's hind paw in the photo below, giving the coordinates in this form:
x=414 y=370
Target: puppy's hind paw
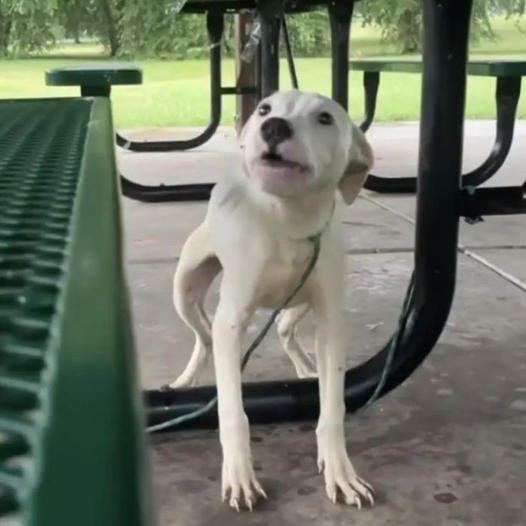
x=305 y=366
x=307 y=371
x=183 y=381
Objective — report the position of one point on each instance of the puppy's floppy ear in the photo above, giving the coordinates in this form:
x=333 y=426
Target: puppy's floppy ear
x=360 y=163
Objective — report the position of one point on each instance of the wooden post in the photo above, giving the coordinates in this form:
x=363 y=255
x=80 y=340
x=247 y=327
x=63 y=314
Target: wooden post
x=245 y=71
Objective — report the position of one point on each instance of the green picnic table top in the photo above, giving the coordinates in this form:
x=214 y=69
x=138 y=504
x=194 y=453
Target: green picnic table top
x=485 y=68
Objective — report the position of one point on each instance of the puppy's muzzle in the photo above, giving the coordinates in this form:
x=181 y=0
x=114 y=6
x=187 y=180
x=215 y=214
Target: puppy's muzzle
x=276 y=130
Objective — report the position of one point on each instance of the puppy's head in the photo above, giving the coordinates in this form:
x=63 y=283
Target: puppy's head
x=298 y=142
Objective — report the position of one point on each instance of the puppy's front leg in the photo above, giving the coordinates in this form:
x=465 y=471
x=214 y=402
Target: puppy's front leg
x=332 y=452
x=230 y=322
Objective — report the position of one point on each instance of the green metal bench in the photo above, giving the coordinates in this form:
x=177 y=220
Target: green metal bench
x=95 y=80
x=508 y=76
x=71 y=425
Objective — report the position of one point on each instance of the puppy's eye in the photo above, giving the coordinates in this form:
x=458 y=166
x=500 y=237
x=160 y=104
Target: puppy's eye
x=264 y=109
x=325 y=118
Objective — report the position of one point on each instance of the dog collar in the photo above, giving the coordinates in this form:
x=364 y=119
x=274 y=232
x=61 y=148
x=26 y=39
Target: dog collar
x=317 y=236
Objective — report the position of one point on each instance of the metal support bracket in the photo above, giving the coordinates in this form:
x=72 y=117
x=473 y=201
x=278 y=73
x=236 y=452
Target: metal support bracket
x=340 y=15
x=507 y=94
x=271 y=12
x=214 y=24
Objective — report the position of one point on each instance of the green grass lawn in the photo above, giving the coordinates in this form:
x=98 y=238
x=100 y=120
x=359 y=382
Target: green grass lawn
x=177 y=92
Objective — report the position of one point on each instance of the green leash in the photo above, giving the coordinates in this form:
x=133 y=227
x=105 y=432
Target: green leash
x=315 y=240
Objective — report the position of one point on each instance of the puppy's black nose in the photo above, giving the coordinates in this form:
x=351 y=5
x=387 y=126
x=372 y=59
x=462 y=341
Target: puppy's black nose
x=276 y=130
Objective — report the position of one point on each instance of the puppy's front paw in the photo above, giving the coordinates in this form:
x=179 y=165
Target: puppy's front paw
x=239 y=483
x=340 y=476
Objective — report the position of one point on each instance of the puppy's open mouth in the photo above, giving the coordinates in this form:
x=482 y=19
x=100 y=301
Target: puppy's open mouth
x=275 y=160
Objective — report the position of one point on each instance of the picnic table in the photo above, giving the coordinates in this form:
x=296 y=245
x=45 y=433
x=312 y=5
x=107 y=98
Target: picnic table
x=70 y=422
x=508 y=75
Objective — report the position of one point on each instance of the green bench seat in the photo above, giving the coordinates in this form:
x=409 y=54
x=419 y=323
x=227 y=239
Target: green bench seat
x=71 y=428
x=481 y=68
x=95 y=80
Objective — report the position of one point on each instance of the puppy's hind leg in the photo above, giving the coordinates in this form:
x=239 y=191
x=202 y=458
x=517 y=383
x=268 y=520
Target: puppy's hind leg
x=197 y=268
x=287 y=323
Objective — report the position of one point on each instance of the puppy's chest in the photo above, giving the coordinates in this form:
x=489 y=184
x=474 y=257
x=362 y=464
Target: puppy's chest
x=282 y=273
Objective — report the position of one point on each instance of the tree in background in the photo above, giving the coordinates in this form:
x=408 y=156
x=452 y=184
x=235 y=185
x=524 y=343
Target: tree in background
x=111 y=13
x=96 y=18
x=154 y=28
x=309 y=33
x=401 y=20
x=76 y=17
x=26 y=25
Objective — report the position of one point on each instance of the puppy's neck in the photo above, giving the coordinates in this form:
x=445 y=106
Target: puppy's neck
x=298 y=217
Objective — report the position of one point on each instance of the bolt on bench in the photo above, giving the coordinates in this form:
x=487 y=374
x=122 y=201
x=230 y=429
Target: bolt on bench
x=508 y=76
x=72 y=447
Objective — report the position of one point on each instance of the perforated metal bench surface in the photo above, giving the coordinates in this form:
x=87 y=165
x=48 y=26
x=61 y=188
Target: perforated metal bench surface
x=70 y=429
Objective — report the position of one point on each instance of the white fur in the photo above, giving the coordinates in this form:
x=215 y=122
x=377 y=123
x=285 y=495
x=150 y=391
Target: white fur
x=255 y=231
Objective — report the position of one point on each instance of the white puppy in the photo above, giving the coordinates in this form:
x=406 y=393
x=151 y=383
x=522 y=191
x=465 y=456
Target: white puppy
x=299 y=149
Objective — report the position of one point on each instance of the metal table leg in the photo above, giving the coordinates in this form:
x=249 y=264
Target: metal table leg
x=290 y=54
x=507 y=94
x=271 y=12
x=340 y=15
x=446 y=25
x=371 y=82
x=186 y=192
x=214 y=24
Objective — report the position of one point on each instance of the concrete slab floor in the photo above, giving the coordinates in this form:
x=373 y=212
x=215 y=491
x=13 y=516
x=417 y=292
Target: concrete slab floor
x=448 y=448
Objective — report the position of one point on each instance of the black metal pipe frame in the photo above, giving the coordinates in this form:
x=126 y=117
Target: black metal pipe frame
x=290 y=54
x=270 y=13
x=371 y=82
x=475 y=203
x=446 y=24
x=214 y=24
x=272 y=18
x=187 y=192
x=340 y=15
x=507 y=94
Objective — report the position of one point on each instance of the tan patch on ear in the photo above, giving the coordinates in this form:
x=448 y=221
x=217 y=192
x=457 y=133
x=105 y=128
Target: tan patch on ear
x=357 y=167
x=350 y=185
x=360 y=163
